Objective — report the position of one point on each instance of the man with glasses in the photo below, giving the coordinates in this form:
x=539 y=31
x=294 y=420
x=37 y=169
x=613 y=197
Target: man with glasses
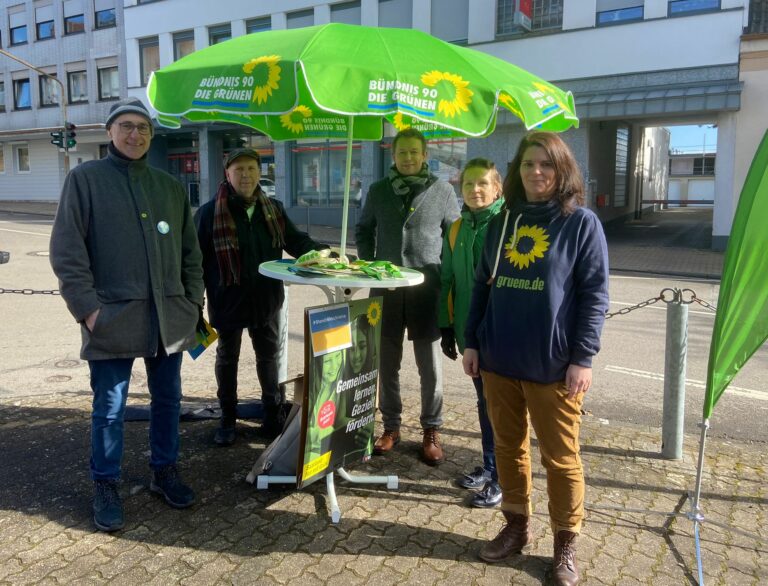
x=126 y=255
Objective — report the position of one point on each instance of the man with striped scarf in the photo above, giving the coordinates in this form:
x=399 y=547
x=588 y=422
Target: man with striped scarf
x=238 y=230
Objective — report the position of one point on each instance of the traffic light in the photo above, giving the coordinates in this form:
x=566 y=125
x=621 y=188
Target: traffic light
x=71 y=135
x=58 y=138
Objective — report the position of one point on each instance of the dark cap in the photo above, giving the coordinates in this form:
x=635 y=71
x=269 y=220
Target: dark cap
x=242 y=152
x=129 y=106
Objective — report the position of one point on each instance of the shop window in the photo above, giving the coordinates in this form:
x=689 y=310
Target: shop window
x=44 y=22
x=104 y=14
x=22 y=97
x=77 y=82
x=149 y=57
x=21 y=158
x=2 y=158
x=49 y=92
x=18 y=25
x=346 y=12
x=320 y=174
x=109 y=83
x=300 y=19
x=257 y=25
x=219 y=34
x=74 y=17
x=396 y=13
x=688 y=6
x=183 y=44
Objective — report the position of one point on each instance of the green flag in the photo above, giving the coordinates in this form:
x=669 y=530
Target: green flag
x=741 y=323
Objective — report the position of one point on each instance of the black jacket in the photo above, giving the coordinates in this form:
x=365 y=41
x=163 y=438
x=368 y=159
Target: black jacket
x=256 y=300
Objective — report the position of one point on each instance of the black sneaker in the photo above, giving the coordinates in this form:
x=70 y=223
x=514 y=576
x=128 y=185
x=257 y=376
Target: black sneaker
x=166 y=481
x=489 y=497
x=107 y=505
x=224 y=436
x=475 y=479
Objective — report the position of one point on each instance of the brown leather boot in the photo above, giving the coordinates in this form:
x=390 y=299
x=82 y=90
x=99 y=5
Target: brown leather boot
x=431 y=452
x=388 y=440
x=564 y=570
x=512 y=539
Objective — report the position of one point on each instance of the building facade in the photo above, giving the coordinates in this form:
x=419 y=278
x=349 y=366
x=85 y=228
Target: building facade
x=81 y=44
x=633 y=66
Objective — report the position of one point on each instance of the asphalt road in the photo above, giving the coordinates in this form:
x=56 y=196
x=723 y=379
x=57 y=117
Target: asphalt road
x=40 y=345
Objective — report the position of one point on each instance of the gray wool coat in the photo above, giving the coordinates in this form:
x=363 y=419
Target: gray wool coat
x=410 y=238
x=123 y=242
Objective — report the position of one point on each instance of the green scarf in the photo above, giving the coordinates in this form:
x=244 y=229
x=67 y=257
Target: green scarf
x=409 y=186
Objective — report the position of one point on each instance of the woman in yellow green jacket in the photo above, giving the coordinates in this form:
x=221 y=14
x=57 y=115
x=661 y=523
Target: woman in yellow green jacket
x=462 y=246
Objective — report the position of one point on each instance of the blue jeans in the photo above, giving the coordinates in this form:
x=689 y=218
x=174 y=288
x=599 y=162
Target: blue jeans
x=109 y=382
x=486 y=432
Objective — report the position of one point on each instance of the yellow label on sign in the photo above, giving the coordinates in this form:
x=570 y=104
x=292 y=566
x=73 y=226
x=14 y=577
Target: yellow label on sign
x=316 y=466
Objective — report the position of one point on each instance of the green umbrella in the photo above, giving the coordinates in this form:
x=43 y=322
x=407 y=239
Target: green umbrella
x=339 y=80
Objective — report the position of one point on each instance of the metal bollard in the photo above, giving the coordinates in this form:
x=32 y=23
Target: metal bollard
x=674 y=378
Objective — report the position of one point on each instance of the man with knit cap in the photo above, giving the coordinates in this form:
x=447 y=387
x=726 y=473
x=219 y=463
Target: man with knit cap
x=124 y=249
x=239 y=229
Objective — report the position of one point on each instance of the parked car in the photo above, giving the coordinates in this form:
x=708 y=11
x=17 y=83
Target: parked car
x=267 y=186
x=4 y=257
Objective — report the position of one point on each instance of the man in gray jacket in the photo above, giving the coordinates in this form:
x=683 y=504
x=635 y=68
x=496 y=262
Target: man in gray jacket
x=403 y=221
x=125 y=251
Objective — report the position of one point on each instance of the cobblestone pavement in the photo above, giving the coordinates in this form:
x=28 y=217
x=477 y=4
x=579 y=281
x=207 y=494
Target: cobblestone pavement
x=421 y=533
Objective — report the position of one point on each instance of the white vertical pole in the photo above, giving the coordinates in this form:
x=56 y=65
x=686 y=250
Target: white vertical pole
x=347 y=180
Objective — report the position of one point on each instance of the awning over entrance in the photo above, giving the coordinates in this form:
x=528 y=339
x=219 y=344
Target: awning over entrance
x=652 y=101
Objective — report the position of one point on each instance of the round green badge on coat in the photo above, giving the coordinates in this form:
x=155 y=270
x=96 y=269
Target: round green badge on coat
x=163 y=227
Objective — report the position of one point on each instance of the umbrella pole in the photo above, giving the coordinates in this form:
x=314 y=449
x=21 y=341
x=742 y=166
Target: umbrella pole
x=347 y=179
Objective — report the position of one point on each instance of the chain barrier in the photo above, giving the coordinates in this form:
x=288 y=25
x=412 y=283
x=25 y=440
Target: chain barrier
x=30 y=291
x=667 y=295
x=694 y=299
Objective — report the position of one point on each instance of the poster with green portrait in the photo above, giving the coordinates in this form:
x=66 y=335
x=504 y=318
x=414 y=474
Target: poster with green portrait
x=342 y=344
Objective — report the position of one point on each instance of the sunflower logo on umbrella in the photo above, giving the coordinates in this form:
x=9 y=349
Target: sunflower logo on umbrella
x=398 y=121
x=294 y=120
x=511 y=104
x=462 y=95
x=268 y=75
x=531 y=243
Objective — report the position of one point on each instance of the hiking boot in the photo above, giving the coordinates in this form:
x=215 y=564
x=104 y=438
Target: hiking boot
x=475 y=479
x=388 y=440
x=512 y=539
x=489 y=497
x=167 y=482
x=107 y=505
x=564 y=570
x=431 y=452
x=225 y=434
x=274 y=420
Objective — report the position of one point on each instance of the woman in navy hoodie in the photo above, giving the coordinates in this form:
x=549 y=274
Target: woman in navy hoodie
x=537 y=311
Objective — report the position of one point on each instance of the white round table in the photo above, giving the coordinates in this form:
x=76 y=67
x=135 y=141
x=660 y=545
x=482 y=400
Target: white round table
x=338 y=287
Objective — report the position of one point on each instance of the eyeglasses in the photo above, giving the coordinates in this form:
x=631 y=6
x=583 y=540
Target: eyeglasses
x=129 y=127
